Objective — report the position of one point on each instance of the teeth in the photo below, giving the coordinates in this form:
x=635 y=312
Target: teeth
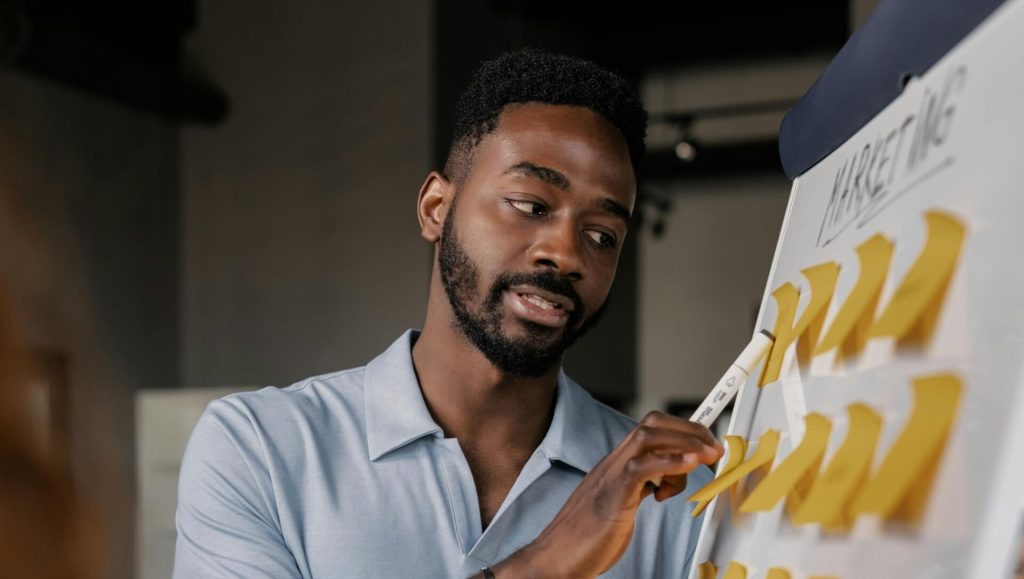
x=539 y=301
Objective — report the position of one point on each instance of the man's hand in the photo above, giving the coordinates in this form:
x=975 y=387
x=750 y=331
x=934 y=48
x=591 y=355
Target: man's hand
x=594 y=528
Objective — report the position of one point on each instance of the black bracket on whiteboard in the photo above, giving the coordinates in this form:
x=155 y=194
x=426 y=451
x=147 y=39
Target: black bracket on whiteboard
x=900 y=40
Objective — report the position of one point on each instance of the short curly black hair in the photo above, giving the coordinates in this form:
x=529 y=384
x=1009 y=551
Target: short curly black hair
x=533 y=75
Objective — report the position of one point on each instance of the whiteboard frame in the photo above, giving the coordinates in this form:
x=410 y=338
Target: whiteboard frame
x=994 y=549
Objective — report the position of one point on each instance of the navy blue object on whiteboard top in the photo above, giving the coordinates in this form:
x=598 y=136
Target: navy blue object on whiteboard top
x=901 y=38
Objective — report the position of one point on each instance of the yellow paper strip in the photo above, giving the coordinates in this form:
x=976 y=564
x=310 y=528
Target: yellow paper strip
x=827 y=499
x=920 y=444
x=776 y=573
x=859 y=308
x=927 y=279
x=764 y=454
x=786 y=299
x=737 y=451
x=822 y=280
x=784 y=477
x=707 y=570
x=735 y=571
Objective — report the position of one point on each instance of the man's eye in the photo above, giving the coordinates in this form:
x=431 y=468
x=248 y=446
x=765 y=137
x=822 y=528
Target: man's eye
x=601 y=238
x=529 y=207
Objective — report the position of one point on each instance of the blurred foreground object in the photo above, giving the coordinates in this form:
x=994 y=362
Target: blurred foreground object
x=44 y=528
x=46 y=531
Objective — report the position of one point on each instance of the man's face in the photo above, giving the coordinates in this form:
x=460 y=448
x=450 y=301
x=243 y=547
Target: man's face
x=529 y=256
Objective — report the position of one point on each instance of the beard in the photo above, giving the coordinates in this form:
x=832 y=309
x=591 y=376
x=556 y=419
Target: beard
x=527 y=356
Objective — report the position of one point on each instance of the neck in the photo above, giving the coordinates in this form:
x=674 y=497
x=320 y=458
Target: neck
x=471 y=399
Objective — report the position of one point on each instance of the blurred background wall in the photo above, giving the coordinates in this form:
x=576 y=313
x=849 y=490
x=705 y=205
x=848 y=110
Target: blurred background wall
x=301 y=249
x=202 y=196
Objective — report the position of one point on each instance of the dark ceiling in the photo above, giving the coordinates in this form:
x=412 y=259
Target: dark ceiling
x=652 y=34
x=647 y=36
x=128 y=52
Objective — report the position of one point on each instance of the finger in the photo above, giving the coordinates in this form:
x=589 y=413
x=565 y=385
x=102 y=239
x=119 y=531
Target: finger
x=646 y=439
x=649 y=489
x=641 y=469
x=662 y=420
x=670 y=487
x=657 y=419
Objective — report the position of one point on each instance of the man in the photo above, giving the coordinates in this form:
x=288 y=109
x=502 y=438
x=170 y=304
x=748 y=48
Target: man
x=464 y=449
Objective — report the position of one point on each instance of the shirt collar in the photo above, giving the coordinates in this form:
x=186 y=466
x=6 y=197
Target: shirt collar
x=396 y=413
x=577 y=436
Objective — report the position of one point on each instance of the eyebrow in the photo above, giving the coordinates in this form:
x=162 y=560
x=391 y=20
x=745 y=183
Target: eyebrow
x=616 y=209
x=557 y=179
x=545 y=174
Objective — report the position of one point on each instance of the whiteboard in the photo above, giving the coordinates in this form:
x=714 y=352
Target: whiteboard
x=952 y=142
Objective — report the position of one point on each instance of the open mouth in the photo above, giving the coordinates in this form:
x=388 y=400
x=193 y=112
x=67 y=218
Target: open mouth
x=539 y=301
x=541 y=308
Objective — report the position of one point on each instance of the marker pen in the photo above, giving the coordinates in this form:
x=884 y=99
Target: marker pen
x=730 y=383
x=734 y=377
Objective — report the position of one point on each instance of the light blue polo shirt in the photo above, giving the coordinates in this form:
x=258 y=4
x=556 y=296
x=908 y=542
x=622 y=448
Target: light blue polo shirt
x=347 y=475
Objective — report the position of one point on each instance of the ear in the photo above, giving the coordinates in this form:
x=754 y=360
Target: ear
x=432 y=205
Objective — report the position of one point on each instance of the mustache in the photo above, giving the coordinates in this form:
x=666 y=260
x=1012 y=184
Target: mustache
x=545 y=280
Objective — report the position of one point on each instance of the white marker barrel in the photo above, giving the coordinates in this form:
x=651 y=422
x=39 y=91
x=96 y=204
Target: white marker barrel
x=730 y=383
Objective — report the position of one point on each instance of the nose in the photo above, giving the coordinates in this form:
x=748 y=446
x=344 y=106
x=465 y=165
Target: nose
x=558 y=248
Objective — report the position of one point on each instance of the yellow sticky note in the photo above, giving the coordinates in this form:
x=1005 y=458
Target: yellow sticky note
x=737 y=450
x=735 y=571
x=919 y=296
x=707 y=570
x=786 y=299
x=781 y=481
x=828 y=497
x=822 y=280
x=777 y=573
x=734 y=497
x=765 y=453
x=906 y=466
x=797 y=494
x=857 y=313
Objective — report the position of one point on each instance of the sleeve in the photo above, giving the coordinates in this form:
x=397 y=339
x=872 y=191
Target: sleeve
x=226 y=518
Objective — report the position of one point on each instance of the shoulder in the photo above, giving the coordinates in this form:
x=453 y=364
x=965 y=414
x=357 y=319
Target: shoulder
x=341 y=384
x=262 y=425
x=273 y=405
